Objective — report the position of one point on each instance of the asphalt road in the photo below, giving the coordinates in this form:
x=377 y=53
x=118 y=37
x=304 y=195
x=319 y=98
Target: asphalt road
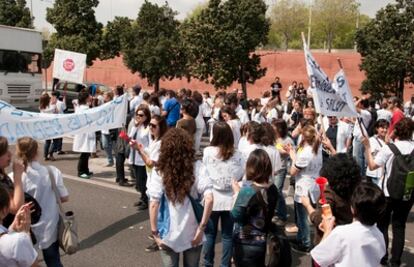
x=114 y=233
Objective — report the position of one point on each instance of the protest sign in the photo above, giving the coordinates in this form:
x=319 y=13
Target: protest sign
x=69 y=66
x=42 y=126
x=331 y=99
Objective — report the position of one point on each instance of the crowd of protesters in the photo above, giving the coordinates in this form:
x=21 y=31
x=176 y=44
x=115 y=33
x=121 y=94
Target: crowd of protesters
x=237 y=181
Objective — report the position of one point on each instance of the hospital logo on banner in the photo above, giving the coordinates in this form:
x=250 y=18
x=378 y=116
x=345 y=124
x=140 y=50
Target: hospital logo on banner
x=69 y=66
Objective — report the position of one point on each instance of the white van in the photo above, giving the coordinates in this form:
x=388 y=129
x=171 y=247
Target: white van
x=20 y=66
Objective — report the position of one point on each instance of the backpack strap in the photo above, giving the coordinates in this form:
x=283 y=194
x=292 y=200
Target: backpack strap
x=394 y=149
x=376 y=138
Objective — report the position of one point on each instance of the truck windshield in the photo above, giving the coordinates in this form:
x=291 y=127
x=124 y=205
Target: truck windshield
x=25 y=62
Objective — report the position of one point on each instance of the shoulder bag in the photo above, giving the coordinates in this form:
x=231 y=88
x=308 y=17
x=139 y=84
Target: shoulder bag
x=67 y=226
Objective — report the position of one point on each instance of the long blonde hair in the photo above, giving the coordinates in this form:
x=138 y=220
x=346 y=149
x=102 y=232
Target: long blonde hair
x=26 y=149
x=310 y=136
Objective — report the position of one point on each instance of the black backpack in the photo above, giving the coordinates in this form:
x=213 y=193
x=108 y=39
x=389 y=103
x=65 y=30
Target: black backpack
x=402 y=165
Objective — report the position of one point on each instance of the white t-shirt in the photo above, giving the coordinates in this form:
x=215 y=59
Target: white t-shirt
x=385 y=158
x=155 y=110
x=274 y=156
x=153 y=152
x=365 y=115
x=343 y=134
x=309 y=165
x=243 y=143
x=271 y=151
x=206 y=107
x=143 y=137
x=16 y=249
x=376 y=144
x=352 y=244
x=36 y=182
x=272 y=114
x=235 y=128
x=242 y=114
x=182 y=222
x=408 y=107
x=134 y=103
x=384 y=114
x=221 y=174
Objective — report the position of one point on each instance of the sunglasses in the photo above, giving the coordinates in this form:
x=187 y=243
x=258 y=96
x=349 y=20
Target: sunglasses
x=152 y=125
x=140 y=115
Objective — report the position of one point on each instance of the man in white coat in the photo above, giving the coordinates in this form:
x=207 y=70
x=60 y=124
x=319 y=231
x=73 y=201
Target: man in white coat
x=84 y=143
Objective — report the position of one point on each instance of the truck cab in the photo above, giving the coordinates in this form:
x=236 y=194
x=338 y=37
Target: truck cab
x=20 y=66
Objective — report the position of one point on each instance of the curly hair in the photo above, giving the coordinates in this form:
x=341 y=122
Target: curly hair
x=176 y=164
x=343 y=174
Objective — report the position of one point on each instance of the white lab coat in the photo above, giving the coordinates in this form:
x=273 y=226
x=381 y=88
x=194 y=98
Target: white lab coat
x=86 y=142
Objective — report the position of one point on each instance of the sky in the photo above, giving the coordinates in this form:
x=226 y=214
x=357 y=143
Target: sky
x=108 y=9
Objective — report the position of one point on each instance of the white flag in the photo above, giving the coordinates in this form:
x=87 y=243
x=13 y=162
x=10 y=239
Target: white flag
x=42 y=126
x=69 y=66
x=331 y=99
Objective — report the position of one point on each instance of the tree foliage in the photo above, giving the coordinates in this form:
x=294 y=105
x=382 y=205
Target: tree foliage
x=15 y=13
x=387 y=46
x=153 y=45
x=333 y=23
x=334 y=16
x=76 y=28
x=289 y=18
x=114 y=37
x=221 y=41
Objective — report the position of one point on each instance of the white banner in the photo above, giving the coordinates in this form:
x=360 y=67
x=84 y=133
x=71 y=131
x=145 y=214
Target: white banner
x=330 y=99
x=42 y=126
x=69 y=66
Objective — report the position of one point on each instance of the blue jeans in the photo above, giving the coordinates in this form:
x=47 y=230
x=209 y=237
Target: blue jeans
x=358 y=152
x=107 y=146
x=281 y=210
x=303 y=235
x=226 y=237
x=51 y=255
x=191 y=256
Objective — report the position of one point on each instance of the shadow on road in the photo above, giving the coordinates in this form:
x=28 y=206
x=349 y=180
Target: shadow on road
x=113 y=229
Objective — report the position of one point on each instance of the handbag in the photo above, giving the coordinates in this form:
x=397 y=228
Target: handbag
x=67 y=226
x=198 y=212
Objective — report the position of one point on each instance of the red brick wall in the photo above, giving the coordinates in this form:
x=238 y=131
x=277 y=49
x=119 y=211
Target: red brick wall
x=288 y=66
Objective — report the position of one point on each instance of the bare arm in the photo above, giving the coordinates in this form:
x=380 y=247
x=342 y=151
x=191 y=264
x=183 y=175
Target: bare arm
x=368 y=155
x=17 y=199
x=208 y=207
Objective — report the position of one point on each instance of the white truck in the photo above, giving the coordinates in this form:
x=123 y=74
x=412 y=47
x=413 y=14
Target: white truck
x=20 y=66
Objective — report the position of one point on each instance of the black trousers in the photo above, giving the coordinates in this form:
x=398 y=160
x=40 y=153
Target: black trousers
x=140 y=173
x=249 y=255
x=396 y=213
x=83 y=163
x=119 y=166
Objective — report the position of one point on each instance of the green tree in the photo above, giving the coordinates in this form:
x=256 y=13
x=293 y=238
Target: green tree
x=221 y=41
x=289 y=18
x=153 y=46
x=76 y=28
x=15 y=13
x=387 y=49
x=114 y=37
x=330 y=17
